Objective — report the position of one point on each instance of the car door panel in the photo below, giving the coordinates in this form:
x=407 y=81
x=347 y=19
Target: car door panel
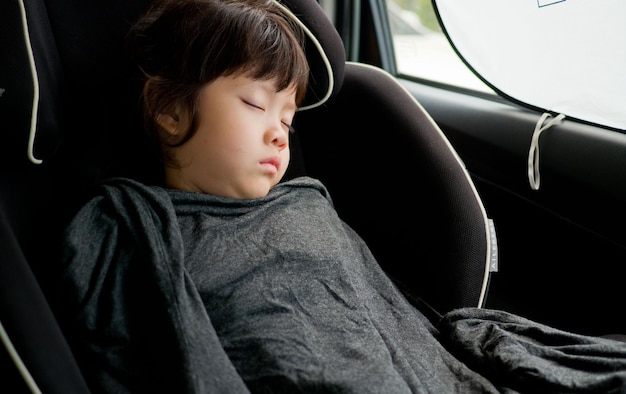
x=562 y=248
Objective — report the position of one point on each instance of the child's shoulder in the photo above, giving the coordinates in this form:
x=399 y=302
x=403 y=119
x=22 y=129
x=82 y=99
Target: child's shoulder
x=304 y=184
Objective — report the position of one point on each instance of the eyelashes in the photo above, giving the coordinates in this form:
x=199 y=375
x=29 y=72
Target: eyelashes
x=251 y=104
x=289 y=127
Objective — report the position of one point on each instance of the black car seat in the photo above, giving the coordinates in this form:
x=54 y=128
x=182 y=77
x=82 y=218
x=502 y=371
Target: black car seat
x=69 y=105
x=34 y=356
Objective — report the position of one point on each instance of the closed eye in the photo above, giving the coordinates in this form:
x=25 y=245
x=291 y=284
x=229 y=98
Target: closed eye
x=289 y=127
x=251 y=104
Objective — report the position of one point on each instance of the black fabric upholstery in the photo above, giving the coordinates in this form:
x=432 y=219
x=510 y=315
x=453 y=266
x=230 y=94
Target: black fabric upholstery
x=30 y=325
x=21 y=179
x=396 y=180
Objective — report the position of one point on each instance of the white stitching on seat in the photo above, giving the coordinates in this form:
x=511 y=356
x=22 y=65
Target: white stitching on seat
x=19 y=364
x=33 y=68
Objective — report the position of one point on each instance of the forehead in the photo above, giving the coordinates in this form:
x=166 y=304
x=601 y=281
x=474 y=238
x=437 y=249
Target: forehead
x=245 y=83
x=250 y=88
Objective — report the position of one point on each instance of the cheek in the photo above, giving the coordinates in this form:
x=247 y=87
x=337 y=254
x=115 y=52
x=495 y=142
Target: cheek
x=285 y=156
x=218 y=132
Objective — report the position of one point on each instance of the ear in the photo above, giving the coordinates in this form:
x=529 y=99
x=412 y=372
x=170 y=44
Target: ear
x=173 y=119
x=169 y=122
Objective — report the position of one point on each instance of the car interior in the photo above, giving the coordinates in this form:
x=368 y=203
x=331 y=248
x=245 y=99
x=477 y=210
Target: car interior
x=69 y=97
x=435 y=177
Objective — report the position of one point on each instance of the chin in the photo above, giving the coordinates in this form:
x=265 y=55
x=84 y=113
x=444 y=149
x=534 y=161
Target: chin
x=258 y=189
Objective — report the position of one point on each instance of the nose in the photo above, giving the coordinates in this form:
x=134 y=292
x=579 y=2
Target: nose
x=277 y=136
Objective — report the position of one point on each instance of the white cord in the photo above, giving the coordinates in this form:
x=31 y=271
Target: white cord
x=33 y=69
x=533 y=154
x=318 y=46
x=28 y=378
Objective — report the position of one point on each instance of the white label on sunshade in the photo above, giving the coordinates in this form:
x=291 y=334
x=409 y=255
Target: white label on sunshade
x=543 y=3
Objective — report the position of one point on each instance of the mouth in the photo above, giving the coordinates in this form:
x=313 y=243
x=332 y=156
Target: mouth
x=272 y=163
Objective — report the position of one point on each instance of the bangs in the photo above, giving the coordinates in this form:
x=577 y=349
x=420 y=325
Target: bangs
x=271 y=47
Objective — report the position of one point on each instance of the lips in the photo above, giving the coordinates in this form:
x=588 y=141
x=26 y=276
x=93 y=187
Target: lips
x=273 y=162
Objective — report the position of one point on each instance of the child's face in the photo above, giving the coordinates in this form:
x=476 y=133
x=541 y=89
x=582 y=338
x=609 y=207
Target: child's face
x=241 y=147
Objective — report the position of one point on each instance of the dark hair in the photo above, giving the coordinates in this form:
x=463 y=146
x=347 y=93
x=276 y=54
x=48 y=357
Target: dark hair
x=181 y=45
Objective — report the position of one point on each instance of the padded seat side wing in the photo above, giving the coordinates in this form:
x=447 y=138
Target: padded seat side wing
x=396 y=180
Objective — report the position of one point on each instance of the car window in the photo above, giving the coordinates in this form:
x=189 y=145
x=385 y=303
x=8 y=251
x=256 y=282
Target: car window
x=421 y=48
x=559 y=56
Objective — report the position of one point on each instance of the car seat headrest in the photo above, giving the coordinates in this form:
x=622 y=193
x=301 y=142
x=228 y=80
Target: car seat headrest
x=324 y=50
